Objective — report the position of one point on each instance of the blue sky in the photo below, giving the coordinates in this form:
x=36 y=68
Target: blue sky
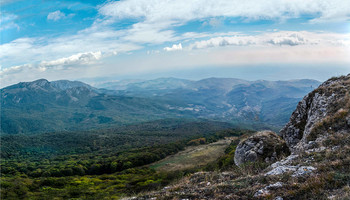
x=87 y=40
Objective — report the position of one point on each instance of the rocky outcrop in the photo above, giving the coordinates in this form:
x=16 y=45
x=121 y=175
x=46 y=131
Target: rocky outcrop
x=264 y=146
x=322 y=112
x=286 y=165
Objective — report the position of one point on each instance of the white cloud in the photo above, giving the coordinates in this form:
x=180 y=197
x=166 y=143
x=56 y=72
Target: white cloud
x=282 y=38
x=51 y=68
x=10 y=25
x=149 y=33
x=157 y=18
x=196 y=35
x=105 y=41
x=214 y=22
x=224 y=41
x=175 y=47
x=183 y=10
x=57 y=15
x=7 y=21
x=6 y=17
x=77 y=59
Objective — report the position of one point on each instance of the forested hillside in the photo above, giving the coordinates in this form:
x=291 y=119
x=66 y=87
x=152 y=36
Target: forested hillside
x=102 y=163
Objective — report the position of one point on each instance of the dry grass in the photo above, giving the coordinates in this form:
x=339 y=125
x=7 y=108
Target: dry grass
x=193 y=157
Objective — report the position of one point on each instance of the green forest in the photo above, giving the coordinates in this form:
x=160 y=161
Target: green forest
x=109 y=163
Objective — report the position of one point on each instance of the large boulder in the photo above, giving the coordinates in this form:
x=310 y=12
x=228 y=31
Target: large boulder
x=264 y=146
x=322 y=112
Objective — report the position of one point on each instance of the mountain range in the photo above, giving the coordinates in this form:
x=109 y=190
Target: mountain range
x=43 y=106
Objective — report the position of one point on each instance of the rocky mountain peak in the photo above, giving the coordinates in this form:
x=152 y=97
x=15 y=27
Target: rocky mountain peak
x=43 y=91
x=43 y=84
x=65 y=84
x=40 y=82
x=322 y=112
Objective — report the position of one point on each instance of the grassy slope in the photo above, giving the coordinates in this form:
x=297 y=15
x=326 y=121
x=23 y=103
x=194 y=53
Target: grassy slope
x=330 y=180
x=193 y=156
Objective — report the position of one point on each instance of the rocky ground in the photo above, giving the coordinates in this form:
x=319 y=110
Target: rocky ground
x=317 y=167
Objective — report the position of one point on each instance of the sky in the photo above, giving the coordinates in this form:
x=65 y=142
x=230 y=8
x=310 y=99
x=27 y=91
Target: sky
x=96 y=40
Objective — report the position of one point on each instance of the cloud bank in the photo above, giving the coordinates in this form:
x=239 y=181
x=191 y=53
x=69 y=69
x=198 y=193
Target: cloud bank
x=183 y=10
x=175 y=47
x=282 y=38
x=148 y=27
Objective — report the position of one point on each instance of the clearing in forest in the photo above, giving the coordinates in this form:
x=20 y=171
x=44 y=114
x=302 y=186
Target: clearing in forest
x=193 y=156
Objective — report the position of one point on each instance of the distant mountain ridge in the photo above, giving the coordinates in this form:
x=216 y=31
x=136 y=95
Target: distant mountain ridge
x=176 y=83
x=228 y=98
x=41 y=106
x=42 y=91
x=43 y=83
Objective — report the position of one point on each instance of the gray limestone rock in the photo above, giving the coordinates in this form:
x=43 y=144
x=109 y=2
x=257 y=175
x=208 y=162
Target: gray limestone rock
x=309 y=120
x=264 y=146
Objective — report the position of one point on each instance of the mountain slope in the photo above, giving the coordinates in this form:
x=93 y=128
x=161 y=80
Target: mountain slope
x=240 y=100
x=43 y=106
x=318 y=135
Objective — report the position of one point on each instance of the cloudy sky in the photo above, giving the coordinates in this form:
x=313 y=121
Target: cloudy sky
x=96 y=40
